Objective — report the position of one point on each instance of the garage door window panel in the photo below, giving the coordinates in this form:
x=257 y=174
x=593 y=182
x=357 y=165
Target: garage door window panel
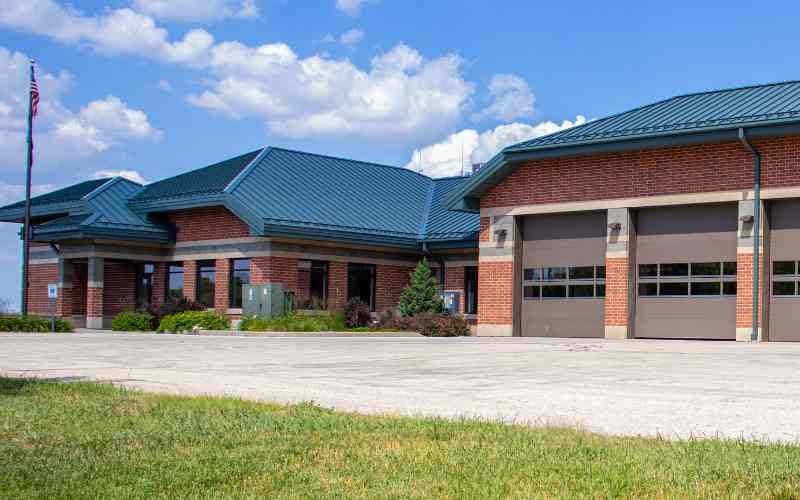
x=563 y=282
x=785 y=278
x=696 y=279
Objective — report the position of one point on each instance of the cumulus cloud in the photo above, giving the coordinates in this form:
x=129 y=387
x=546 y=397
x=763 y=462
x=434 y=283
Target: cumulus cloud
x=60 y=134
x=352 y=7
x=12 y=193
x=194 y=11
x=131 y=175
x=511 y=98
x=444 y=158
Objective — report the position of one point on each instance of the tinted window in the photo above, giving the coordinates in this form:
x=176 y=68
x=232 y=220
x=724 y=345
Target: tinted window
x=701 y=288
x=530 y=292
x=706 y=269
x=783 y=268
x=648 y=289
x=581 y=290
x=206 y=283
x=532 y=274
x=674 y=288
x=554 y=291
x=729 y=288
x=581 y=273
x=175 y=281
x=783 y=288
x=144 y=284
x=471 y=290
x=240 y=276
x=729 y=269
x=648 y=270
x=675 y=269
x=554 y=273
x=361 y=283
x=600 y=290
x=601 y=272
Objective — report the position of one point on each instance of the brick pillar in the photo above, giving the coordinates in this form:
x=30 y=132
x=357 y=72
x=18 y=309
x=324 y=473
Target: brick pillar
x=64 y=302
x=619 y=295
x=159 y=282
x=190 y=279
x=337 y=285
x=222 y=286
x=94 y=292
x=496 y=282
x=390 y=281
x=454 y=282
x=281 y=270
x=744 y=275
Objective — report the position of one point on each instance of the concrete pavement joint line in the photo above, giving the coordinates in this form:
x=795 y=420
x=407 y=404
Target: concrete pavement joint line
x=675 y=389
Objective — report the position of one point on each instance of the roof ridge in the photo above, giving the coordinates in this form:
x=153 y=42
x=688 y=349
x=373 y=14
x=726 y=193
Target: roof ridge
x=243 y=173
x=741 y=87
x=110 y=181
x=351 y=160
x=426 y=216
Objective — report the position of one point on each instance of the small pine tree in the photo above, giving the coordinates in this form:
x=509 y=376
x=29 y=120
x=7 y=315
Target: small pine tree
x=422 y=295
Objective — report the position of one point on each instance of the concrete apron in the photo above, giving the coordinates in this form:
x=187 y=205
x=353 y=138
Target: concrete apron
x=236 y=333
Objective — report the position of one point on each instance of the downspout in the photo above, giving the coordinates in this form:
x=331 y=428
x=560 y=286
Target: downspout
x=756 y=227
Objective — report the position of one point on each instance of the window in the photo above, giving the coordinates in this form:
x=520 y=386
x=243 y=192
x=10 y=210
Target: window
x=144 y=285
x=361 y=283
x=312 y=284
x=175 y=281
x=240 y=276
x=206 y=282
x=696 y=279
x=471 y=290
x=573 y=282
x=785 y=278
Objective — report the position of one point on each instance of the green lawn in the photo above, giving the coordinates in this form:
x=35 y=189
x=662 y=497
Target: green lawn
x=90 y=440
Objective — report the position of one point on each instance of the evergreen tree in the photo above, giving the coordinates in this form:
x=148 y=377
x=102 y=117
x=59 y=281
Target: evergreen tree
x=422 y=295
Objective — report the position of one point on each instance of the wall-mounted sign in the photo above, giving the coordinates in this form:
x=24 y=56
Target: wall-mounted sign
x=52 y=291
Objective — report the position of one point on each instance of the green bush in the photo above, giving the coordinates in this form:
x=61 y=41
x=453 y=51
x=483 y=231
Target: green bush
x=172 y=306
x=422 y=294
x=295 y=323
x=132 y=322
x=440 y=325
x=32 y=324
x=186 y=321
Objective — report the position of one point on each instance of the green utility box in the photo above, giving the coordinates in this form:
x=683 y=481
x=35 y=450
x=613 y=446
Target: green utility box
x=263 y=300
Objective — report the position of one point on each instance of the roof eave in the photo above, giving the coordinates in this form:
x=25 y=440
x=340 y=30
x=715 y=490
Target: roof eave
x=324 y=234
x=467 y=198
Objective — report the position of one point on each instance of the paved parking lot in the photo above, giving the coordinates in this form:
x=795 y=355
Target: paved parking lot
x=673 y=388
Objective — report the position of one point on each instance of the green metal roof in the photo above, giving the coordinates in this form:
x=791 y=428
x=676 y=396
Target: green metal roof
x=715 y=116
x=212 y=179
x=64 y=195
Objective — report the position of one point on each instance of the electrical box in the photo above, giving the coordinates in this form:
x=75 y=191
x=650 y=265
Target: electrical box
x=452 y=301
x=263 y=300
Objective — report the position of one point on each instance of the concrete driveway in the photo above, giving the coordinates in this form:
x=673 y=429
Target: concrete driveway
x=672 y=388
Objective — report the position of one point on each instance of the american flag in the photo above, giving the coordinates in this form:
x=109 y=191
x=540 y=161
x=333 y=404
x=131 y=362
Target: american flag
x=34 y=93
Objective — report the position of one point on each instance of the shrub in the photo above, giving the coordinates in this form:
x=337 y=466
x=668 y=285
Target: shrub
x=356 y=313
x=441 y=325
x=422 y=294
x=16 y=323
x=170 y=307
x=293 y=322
x=132 y=322
x=187 y=321
x=391 y=319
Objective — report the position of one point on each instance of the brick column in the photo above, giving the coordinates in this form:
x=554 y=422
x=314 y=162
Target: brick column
x=454 y=282
x=281 y=270
x=619 y=295
x=159 y=282
x=64 y=302
x=222 y=286
x=744 y=274
x=337 y=285
x=496 y=282
x=94 y=292
x=190 y=279
x=390 y=281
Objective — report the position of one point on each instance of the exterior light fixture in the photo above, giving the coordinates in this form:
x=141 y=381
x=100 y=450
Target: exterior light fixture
x=500 y=233
x=615 y=226
x=747 y=219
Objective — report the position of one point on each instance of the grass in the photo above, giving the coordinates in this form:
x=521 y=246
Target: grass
x=300 y=322
x=62 y=440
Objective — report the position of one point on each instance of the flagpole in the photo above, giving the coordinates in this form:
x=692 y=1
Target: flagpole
x=26 y=244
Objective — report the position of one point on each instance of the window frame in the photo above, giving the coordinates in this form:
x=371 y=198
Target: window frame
x=470 y=277
x=538 y=285
x=168 y=285
x=141 y=273
x=199 y=280
x=237 y=292
x=724 y=277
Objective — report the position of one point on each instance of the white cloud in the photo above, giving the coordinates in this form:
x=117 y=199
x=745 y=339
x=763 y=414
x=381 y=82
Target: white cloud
x=401 y=94
x=60 y=134
x=511 y=98
x=194 y=11
x=12 y=193
x=352 y=7
x=444 y=158
x=131 y=175
x=164 y=85
x=349 y=38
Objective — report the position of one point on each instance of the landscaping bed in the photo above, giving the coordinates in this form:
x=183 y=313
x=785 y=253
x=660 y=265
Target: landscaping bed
x=61 y=440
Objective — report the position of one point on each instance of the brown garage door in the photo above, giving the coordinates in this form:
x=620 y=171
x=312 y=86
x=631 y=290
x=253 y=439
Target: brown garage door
x=686 y=283
x=563 y=275
x=784 y=307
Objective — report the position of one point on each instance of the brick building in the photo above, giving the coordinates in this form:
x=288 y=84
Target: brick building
x=642 y=224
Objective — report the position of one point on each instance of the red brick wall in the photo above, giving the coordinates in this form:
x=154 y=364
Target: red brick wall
x=484 y=235
x=617 y=295
x=222 y=286
x=190 y=279
x=454 y=282
x=39 y=277
x=495 y=293
x=744 y=290
x=281 y=270
x=213 y=223
x=390 y=281
x=676 y=170
x=303 y=292
x=337 y=285
x=119 y=288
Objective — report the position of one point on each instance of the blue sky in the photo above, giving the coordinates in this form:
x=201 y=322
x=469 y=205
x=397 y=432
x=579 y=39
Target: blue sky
x=151 y=88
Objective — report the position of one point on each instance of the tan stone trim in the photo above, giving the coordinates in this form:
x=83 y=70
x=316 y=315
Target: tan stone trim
x=744 y=334
x=749 y=250
x=65 y=285
x=461 y=263
x=616 y=332
x=496 y=258
x=44 y=261
x=223 y=241
x=485 y=330
x=94 y=284
x=617 y=254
